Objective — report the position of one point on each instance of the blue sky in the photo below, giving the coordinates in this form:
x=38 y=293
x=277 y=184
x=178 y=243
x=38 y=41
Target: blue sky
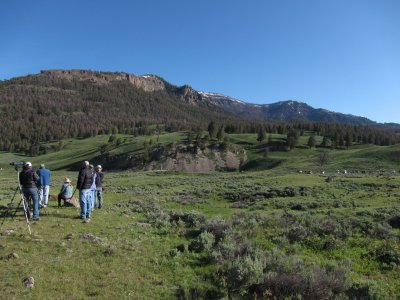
x=341 y=55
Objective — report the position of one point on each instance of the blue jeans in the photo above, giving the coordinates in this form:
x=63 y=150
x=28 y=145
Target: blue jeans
x=93 y=198
x=32 y=192
x=99 y=194
x=44 y=194
x=85 y=202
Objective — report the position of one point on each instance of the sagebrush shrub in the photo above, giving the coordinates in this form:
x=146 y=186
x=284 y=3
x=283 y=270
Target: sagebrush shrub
x=204 y=241
x=245 y=271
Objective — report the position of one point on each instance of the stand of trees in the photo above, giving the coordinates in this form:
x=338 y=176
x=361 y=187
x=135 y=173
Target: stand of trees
x=38 y=108
x=339 y=134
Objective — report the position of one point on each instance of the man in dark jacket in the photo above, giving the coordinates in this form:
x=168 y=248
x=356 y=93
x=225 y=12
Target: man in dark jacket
x=99 y=185
x=29 y=180
x=85 y=180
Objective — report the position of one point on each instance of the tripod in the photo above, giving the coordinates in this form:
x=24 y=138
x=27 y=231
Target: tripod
x=24 y=202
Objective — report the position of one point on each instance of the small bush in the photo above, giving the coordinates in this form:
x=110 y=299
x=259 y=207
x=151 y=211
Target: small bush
x=387 y=253
x=364 y=291
x=394 y=221
x=245 y=271
x=297 y=233
x=204 y=241
x=190 y=219
x=174 y=252
x=286 y=277
x=380 y=231
x=218 y=227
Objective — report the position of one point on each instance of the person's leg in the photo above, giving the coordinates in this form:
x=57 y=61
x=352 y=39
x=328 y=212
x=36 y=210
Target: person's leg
x=83 y=202
x=94 y=199
x=99 y=198
x=26 y=195
x=46 y=190
x=88 y=195
x=35 y=198
x=41 y=192
x=59 y=197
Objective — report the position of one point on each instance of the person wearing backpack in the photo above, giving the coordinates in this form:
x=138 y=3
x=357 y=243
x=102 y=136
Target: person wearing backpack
x=85 y=180
x=28 y=180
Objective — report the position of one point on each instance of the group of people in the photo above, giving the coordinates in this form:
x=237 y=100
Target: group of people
x=36 y=186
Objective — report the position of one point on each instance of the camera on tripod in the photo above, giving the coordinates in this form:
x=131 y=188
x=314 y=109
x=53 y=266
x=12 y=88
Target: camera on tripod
x=18 y=163
x=23 y=200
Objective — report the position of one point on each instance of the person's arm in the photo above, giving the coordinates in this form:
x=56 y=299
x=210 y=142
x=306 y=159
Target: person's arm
x=62 y=189
x=81 y=179
x=39 y=180
x=70 y=190
x=35 y=178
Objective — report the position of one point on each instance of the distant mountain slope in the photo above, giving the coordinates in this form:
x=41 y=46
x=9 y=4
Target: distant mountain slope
x=56 y=104
x=284 y=111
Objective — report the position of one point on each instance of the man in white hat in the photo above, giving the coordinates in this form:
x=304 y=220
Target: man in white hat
x=28 y=180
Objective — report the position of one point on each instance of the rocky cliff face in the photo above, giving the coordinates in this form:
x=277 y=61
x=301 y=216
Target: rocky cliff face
x=188 y=94
x=148 y=83
x=201 y=163
x=185 y=158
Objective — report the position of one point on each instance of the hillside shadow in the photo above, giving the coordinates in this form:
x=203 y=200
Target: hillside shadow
x=244 y=143
x=261 y=164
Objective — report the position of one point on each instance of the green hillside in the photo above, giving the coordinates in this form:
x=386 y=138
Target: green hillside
x=356 y=157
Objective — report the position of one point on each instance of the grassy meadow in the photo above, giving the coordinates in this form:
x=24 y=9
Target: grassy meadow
x=274 y=233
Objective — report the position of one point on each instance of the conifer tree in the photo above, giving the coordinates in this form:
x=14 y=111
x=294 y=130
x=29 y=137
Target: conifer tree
x=311 y=141
x=261 y=135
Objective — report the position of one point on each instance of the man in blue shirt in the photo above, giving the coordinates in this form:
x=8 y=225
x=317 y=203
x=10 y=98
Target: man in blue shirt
x=44 y=185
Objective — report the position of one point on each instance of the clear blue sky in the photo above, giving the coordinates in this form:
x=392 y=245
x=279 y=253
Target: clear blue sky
x=342 y=55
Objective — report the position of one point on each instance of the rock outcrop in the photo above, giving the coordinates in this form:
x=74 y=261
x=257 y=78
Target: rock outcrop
x=188 y=94
x=186 y=158
x=148 y=83
x=200 y=163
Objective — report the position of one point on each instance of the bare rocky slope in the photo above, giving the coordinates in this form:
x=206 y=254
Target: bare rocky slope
x=187 y=158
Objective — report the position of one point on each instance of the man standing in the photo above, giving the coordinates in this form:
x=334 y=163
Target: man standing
x=85 y=180
x=44 y=185
x=29 y=180
x=93 y=187
x=99 y=185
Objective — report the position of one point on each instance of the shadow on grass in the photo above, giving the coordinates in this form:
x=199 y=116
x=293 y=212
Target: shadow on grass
x=261 y=164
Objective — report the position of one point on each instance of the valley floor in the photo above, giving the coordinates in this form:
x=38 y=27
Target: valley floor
x=165 y=235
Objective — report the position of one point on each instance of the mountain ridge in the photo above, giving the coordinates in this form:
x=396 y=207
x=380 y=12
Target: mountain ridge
x=286 y=110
